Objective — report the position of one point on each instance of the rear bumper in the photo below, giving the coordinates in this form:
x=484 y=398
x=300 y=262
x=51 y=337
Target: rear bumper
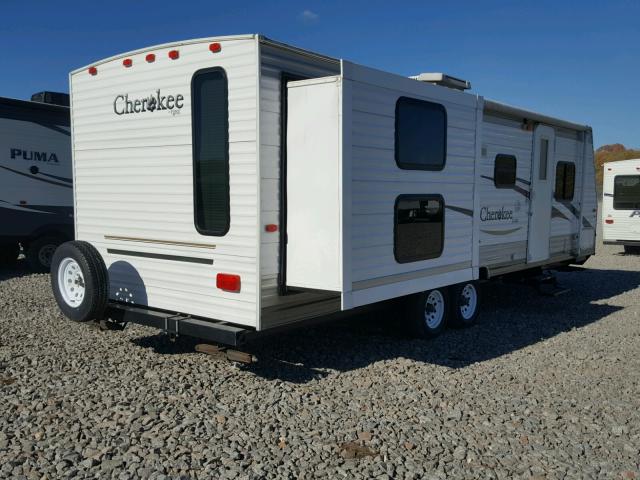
x=177 y=324
x=634 y=243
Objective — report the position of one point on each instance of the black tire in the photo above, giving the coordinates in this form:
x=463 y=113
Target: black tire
x=94 y=278
x=632 y=250
x=9 y=253
x=419 y=313
x=464 y=310
x=40 y=252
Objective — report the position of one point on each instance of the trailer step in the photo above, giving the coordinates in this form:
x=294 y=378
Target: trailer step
x=546 y=283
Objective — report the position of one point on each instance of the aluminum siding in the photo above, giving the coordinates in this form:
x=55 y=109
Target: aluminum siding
x=377 y=181
x=134 y=178
x=504 y=241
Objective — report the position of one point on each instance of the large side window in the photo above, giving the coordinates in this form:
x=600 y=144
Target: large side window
x=421 y=134
x=419 y=227
x=210 y=124
x=626 y=192
x=504 y=171
x=565 y=181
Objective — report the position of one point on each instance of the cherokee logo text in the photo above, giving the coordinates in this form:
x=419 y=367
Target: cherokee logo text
x=487 y=214
x=122 y=105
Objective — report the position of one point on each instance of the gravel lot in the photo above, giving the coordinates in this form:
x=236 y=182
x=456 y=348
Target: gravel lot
x=541 y=388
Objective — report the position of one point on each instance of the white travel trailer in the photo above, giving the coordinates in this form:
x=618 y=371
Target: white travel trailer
x=36 y=194
x=621 y=205
x=230 y=185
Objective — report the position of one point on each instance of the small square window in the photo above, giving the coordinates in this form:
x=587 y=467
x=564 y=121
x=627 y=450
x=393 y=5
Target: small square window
x=419 y=227
x=504 y=171
x=421 y=134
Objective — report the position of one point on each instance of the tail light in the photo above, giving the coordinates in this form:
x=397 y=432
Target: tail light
x=608 y=221
x=228 y=282
x=271 y=227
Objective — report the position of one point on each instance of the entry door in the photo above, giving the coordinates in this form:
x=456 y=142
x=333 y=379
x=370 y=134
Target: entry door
x=541 y=193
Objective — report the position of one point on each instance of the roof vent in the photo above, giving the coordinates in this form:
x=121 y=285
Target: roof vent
x=443 y=80
x=53 y=98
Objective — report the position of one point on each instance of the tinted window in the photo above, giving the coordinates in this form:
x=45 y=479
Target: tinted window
x=565 y=180
x=626 y=192
x=419 y=227
x=421 y=134
x=504 y=171
x=210 y=125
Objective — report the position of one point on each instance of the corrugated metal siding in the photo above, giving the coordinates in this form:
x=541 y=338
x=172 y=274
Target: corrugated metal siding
x=134 y=179
x=377 y=181
x=273 y=62
x=504 y=241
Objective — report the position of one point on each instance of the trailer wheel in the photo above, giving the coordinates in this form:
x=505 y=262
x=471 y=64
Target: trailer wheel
x=9 y=253
x=80 y=281
x=40 y=253
x=631 y=250
x=427 y=312
x=465 y=304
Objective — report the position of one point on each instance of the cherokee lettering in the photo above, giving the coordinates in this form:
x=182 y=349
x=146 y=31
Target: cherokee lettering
x=123 y=105
x=488 y=214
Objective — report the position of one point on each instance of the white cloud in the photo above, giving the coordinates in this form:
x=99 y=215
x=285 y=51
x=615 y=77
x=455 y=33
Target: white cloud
x=308 y=16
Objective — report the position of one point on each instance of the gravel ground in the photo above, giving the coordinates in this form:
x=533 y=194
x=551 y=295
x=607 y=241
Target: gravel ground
x=541 y=388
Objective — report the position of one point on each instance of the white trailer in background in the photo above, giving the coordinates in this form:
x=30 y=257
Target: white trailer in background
x=230 y=185
x=36 y=195
x=621 y=204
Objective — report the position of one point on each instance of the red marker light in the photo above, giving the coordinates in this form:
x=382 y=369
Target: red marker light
x=608 y=221
x=150 y=58
x=215 y=47
x=228 y=282
x=93 y=71
x=272 y=227
x=127 y=62
x=174 y=54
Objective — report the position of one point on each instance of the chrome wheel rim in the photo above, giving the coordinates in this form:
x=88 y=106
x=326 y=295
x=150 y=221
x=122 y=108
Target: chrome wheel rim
x=71 y=282
x=46 y=254
x=468 y=301
x=434 y=309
